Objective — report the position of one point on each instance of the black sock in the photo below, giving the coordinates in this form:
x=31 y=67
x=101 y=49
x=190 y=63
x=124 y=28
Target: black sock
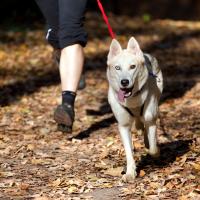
x=68 y=97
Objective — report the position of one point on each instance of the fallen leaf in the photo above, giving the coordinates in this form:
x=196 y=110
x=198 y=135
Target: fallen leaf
x=184 y=197
x=183 y=160
x=114 y=171
x=92 y=177
x=110 y=143
x=196 y=166
x=137 y=145
x=42 y=198
x=6 y=174
x=72 y=189
x=35 y=161
x=30 y=147
x=24 y=186
x=44 y=131
x=57 y=182
x=169 y=185
x=142 y=173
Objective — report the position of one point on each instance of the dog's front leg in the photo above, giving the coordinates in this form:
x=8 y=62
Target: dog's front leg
x=152 y=139
x=125 y=133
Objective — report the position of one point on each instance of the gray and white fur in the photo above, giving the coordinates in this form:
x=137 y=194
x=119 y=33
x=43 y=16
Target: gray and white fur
x=135 y=86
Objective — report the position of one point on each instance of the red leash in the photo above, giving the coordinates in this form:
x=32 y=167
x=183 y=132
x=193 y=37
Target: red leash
x=106 y=19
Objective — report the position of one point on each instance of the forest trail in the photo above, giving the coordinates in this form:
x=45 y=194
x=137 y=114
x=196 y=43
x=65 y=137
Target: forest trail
x=37 y=162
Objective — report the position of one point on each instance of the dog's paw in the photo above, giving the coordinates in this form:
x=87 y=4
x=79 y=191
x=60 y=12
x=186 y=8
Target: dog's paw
x=129 y=177
x=154 y=153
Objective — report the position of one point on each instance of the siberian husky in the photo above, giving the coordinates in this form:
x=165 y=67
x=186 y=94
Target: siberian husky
x=135 y=86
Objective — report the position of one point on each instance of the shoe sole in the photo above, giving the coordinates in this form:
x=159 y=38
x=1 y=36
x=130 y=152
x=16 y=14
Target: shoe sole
x=63 y=120
x=63 y=128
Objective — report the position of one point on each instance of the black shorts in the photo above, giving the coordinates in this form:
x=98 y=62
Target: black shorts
x=65 y=21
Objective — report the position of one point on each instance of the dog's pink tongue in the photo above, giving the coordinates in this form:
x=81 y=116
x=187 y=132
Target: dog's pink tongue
x=121 y=95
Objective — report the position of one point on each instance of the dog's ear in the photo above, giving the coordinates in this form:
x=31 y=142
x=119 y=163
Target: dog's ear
x=133 y=46
x=115 y=49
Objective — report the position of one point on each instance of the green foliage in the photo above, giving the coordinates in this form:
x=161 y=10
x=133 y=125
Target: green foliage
x=146 y=17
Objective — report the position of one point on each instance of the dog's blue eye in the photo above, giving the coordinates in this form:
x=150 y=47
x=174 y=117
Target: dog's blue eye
x=132 y=66
x=117 y=67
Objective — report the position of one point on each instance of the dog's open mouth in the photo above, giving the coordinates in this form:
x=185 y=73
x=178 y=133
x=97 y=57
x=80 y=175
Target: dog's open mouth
x=124 y=93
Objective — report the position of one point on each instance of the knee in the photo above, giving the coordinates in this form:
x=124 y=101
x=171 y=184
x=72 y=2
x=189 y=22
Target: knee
x=72 y=32
x=149 y=117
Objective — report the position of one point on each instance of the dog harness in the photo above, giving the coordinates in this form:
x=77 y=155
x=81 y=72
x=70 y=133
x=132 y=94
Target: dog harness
x=131 y=113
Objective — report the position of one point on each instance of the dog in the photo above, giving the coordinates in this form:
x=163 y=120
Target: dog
x=135 y=86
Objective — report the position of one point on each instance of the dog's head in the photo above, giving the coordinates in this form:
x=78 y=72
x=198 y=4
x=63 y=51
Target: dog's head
x=126 y=67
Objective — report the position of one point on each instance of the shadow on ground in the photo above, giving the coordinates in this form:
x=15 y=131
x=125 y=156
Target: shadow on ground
x=105 y=123
x=12 y=92
x=168 y=153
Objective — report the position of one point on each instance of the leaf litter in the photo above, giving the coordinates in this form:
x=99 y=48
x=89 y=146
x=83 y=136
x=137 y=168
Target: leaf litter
x=40 y=163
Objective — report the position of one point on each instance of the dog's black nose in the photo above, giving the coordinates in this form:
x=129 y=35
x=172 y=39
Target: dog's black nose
x=125 y=82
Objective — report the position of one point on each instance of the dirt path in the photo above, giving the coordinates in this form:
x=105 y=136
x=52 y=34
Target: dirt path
x=37 y=162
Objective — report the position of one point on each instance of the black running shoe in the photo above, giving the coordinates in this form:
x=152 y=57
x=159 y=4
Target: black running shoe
x=64 y=116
